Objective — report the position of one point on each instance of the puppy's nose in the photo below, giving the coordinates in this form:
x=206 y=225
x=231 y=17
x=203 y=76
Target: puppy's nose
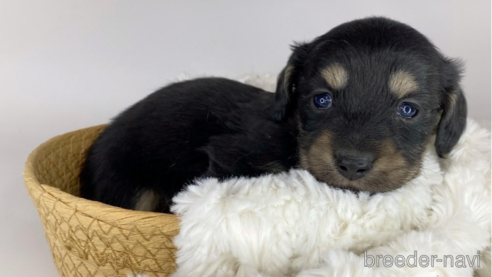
x=354 y=167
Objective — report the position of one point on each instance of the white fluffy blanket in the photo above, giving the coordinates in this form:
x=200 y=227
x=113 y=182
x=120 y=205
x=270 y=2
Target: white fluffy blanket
x=291 y=225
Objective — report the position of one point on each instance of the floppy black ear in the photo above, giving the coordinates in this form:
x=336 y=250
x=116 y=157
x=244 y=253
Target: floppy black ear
x=286 y=81
x=453 y=106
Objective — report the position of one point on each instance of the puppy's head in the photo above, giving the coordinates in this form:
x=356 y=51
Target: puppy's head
x=368 y=97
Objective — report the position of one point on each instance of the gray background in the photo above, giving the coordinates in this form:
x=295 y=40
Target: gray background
x=66 y=65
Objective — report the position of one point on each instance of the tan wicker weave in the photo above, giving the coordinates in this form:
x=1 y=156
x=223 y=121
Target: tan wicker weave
x=89 y=238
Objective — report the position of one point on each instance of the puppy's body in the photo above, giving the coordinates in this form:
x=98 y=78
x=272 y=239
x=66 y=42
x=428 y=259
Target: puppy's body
x=356 y=107
x=201 y=128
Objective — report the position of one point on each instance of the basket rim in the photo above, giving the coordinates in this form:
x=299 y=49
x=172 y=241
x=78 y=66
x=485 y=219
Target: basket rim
x=99 y=210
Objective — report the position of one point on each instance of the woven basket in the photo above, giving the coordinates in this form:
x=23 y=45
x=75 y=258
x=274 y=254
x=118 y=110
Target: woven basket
x=88 y=238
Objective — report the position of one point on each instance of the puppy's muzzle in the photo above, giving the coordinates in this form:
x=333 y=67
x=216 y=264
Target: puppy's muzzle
x=353 y=166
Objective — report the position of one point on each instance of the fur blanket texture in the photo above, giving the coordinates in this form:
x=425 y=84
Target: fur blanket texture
x=289 y=224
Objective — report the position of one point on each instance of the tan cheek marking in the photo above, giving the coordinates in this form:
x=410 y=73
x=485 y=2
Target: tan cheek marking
x=319 y=155
x=147 y=201
x=318 y=159
x=393 y=164
x=390 y=171
x=402 y=83
x=335 y=75
x=312 y=156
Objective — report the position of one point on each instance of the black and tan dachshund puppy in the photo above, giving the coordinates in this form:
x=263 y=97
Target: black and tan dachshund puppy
x=356 y=107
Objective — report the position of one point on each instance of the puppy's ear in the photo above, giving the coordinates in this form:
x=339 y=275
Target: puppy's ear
x=453 y=107
x=286 y=81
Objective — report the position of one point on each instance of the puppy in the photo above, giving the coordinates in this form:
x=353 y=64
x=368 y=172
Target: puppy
x=356 y=107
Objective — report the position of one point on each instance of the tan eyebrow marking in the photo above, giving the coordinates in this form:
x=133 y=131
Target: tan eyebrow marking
x=402 y=83
x=335 y=75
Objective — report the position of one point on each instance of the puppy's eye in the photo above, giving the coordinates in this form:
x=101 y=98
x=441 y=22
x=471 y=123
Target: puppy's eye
x=322 y=101
x=406 y=110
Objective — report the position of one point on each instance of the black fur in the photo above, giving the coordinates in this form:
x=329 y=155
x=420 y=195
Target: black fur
x=215 y=127
x=205 y=127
